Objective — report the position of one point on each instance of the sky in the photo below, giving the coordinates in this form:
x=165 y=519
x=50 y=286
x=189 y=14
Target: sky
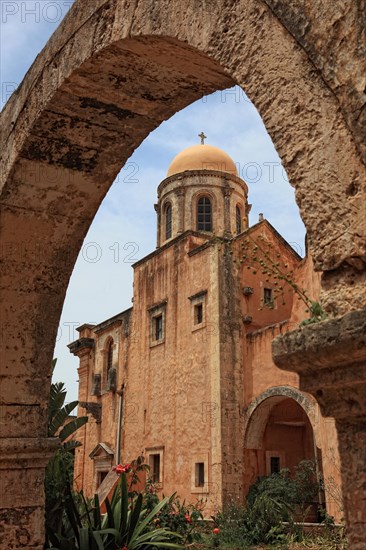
x=124 y=229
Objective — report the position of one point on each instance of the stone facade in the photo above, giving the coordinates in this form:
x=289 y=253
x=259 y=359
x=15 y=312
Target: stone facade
x=191 y=359
x=107 y=77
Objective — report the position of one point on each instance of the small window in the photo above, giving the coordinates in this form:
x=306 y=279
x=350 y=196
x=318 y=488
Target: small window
x=198 y=311
x=154 y=463
x=168 y=221
x=198 y=314
x=267 y=296
x=238 y=220
x=199 y=474
x=109 y=356
x=157 y=315
x=204 y=214
x=158 y=327
x=275 y=464
x=101 y=477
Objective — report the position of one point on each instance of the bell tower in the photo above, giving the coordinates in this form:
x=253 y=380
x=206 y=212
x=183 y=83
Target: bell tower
x=202 y=192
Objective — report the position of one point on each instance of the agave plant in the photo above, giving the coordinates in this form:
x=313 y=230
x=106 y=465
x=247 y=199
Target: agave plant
x=124 y=526
x=131 y=523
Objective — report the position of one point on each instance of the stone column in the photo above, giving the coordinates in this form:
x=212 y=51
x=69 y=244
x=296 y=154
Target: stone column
x=82 y=348
x=248 y=208
x=330 y=358
x=227 y=218
x=158 y=220
x=22 y=465
x=180 y=193
x=25 y=375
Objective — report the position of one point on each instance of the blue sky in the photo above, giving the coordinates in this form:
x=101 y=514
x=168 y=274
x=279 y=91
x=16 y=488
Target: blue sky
x=124 y=229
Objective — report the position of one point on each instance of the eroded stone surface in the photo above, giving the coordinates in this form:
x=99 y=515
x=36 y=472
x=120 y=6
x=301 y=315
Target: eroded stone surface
x=332 y=34
x=112 y=72
x=331 y=360
x=352 y=444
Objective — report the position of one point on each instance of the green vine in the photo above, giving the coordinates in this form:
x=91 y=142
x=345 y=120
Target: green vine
x=266 y=260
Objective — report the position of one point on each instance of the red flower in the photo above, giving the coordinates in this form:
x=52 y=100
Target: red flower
x=188 y=518
x=216 y=531
x=122 y=469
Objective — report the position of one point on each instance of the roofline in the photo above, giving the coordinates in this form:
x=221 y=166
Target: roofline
x=206 y=172
x=278 y=235
x=84 y=326
x=108 y=322
x=180 y=237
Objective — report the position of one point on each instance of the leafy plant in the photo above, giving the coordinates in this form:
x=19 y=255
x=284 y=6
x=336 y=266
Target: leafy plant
x=261 y=254
x=271 y=501
x=176 y=516
x=60 y=469
x=125 y=525
x=58 y=414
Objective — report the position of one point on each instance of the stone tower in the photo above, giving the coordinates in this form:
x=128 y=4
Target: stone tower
x=202 y=192
x=186 y=375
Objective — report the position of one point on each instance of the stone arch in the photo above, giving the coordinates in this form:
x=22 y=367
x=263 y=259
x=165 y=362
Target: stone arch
x=109 y=351
x=110 y=74
x=281 y=429
x=258 y=411
x=239 y=215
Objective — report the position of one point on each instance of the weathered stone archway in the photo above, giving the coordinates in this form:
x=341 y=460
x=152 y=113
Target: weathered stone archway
x=109 y=75
x=257 y=412
x=283 y=424
x=282 y=428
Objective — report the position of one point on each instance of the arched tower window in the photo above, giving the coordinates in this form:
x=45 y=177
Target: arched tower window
x=168 y=221
x=204 y=214
x=238 y=220
x=109 y=356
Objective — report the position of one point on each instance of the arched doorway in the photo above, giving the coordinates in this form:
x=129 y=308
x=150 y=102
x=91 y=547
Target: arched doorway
x=112 y=72
x=289 y=432
x=280 y=434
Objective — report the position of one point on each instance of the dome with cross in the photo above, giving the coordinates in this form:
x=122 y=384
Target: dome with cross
x=202 y=157
x=202 y=192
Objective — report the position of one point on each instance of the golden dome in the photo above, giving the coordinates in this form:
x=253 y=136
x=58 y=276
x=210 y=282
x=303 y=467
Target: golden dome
x=202 y=157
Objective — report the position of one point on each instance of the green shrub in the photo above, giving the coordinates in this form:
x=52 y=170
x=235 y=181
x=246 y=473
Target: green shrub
x=296 y=492
x=184 y=519
x=271 y=501
x=60 y=469
x=126 y=525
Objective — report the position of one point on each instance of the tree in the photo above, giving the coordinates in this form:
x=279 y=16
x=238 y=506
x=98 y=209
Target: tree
x=60 y=469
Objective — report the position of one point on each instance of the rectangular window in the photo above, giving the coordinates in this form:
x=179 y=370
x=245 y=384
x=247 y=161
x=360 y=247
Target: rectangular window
x=200 y=483
x=199 y=308
x=154 y=463
x=199 y=474
x=267 y=296
x=158 y=327
x=101 y=477
x=198 y=314
x=157 y=315
x=275 y=464
x=275 y=461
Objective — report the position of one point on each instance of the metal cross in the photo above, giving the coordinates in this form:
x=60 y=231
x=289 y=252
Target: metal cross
x=203 y=137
